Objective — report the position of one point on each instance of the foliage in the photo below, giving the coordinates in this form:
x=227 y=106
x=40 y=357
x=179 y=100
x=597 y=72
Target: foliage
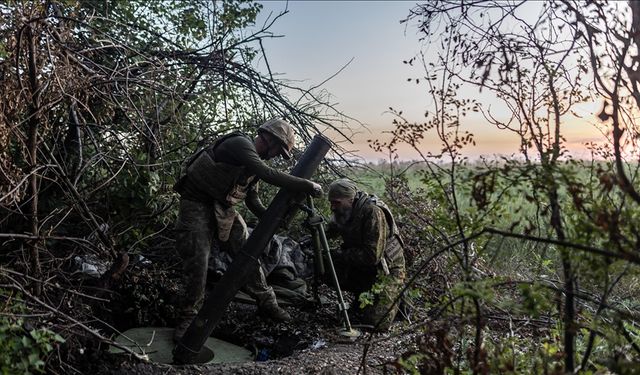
x=100 y=102
x=24 y=348
x=539 y=239
x=130 y=90
x=368 y=298
x=524 y=264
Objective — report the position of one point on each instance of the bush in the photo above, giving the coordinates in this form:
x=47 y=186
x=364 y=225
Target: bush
x=23 y=350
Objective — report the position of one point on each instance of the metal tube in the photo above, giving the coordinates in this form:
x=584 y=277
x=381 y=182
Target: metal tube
x=284 y=204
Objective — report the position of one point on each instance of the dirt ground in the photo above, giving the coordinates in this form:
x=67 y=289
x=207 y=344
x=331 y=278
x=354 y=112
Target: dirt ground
x=147 y=296
x=308 y=345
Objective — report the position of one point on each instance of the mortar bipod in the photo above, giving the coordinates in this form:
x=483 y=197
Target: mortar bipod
x=321 y=246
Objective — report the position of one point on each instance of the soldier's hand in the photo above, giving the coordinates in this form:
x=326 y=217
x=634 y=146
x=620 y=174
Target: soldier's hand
x=317 y=190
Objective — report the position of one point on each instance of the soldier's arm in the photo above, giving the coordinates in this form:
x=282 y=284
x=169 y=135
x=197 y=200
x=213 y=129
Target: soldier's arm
x=253 y=201
x=247 y=156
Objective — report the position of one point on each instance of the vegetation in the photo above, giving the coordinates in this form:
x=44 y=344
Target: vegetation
x=526 y=264
x=100 y=103
x=543 y=240
x=24 y=347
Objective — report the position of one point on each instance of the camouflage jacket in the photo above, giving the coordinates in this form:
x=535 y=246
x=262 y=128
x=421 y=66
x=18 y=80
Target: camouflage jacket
x=371 y=235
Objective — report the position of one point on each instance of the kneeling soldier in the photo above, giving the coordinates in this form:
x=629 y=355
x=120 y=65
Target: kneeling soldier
x=371 y=251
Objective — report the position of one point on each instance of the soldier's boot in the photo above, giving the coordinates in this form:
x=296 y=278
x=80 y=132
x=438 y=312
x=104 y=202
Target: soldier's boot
x=268 y=307
x=258 y=288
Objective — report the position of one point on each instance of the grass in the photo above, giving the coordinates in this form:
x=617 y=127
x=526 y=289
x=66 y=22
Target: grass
x=531 y=271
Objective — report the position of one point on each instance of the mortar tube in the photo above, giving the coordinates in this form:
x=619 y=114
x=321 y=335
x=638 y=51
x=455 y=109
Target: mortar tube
x=246 y=261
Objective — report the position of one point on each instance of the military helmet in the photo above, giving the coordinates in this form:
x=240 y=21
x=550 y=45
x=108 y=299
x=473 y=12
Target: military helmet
x=283 y=132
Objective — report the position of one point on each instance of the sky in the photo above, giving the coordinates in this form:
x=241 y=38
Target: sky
x=320 y=37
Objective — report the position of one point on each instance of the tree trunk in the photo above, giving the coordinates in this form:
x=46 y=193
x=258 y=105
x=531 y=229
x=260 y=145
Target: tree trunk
x=32 y=144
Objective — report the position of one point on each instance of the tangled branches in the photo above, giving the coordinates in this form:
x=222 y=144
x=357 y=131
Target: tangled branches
x=99 y=104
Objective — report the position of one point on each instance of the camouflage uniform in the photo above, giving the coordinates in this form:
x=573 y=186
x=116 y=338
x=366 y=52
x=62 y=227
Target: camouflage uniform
x=371 y=252
x=212 y=182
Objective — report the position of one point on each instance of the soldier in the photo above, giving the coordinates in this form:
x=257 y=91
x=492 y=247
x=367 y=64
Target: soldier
x=212 y=182
x=371 y=250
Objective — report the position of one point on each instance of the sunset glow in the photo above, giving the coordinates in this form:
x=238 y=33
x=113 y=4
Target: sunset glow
x=372 y=50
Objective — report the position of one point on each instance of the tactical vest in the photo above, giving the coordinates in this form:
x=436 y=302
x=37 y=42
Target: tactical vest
x=204 y=177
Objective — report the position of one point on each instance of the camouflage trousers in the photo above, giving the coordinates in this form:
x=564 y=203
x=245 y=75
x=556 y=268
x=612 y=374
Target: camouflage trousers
x=196 y=235
x=359 y=278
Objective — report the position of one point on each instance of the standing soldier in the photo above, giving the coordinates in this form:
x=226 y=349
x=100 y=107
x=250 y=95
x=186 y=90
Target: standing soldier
x=371 y=250
x=212 y=182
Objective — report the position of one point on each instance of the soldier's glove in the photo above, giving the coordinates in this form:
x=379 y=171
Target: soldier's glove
x=317 y=190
